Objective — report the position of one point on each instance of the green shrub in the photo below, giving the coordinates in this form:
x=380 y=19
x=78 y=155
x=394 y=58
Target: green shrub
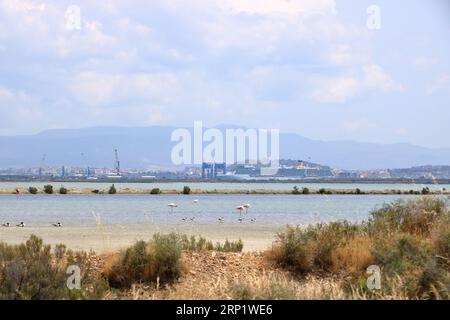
x=413 y=216
x=186 y=190
x=295 y=190
x=306 y=249
x=305 y=190
x=156 y=260
x=62 y=190
x=441 y=241
x=194 y=244
x=425 y=190
x=403 y=254
x=155 y=191
x=325 y=191
x=201 y=244
x=32 y=190
x=112 y=190
x=229 y=246
x=358 y=191
x=48 y=189
x=96 y=191
x=31 y=271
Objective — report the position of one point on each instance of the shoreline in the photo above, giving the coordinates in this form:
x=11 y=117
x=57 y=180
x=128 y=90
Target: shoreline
x=113 y=237
x=129 y=191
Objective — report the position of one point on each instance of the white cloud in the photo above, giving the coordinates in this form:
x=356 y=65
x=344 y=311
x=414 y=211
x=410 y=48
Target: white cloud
x=273 y=7
x=336 y=90
x=342 y=88
x=101 y=89
x=375 y=78
x=440 y=83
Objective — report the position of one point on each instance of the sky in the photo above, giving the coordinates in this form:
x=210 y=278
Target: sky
x=318 y=68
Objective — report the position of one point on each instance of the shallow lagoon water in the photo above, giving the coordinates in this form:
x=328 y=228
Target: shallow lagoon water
x=270 y=210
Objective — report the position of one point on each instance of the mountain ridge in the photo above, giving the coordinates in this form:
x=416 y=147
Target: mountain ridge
x=143 y=147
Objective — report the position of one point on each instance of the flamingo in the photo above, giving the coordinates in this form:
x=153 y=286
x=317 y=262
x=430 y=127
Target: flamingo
x=240 y=208
x=172 y=205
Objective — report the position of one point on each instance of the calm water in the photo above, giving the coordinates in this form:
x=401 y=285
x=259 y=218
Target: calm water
x=142 y=209
x=227 y=185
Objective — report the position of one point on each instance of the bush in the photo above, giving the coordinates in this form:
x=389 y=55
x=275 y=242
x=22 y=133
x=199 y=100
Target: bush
x=186 y=190
x=295 y=190
x=194 y=244
x=229 y=246
x=358 y=191
x=62 y=190
x=155 y=191
x=425 y=190
x=402 y=254
x=157 y=260
x=96 y=191
x=305 y=191
x=353 y=257
x=412 y=217
x=324 y=191
x=441 y=241
x=31 y=271
x=201 y=244
x=32 y=190
x=306 y=249
x=112 y=190
x=48 y=189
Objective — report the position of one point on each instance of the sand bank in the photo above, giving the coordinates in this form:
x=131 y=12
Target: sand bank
x=107 y=238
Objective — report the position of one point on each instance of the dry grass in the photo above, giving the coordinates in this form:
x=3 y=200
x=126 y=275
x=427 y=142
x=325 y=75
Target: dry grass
x=354 y=256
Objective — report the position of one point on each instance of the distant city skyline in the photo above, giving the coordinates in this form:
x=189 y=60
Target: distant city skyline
x=310 y=67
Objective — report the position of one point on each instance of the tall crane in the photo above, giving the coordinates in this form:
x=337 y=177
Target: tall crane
x=84 y=164
x=117 y=162
x=41 y=166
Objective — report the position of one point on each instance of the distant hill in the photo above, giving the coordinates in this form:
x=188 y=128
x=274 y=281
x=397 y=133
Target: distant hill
x=149 y=147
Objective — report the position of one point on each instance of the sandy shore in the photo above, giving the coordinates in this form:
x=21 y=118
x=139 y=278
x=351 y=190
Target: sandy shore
x=107 y=238
x=416 y=191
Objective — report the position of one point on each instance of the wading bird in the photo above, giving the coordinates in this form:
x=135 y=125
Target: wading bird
x=171 y=206
x=21 y=225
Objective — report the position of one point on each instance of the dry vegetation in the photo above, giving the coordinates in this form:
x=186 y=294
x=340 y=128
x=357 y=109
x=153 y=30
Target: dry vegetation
x=408 y=240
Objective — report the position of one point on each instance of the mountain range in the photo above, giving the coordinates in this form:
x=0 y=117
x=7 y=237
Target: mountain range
x=150 y=147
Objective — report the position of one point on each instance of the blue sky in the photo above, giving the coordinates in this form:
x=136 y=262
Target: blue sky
x=310 y=67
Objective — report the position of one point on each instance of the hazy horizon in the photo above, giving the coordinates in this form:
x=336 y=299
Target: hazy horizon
x=312 y=68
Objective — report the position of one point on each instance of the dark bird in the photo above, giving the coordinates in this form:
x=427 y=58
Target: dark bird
x=21 y=225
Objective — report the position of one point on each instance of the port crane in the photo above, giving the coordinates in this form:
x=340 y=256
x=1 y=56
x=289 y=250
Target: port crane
x=117 y=162
x=41 y=166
